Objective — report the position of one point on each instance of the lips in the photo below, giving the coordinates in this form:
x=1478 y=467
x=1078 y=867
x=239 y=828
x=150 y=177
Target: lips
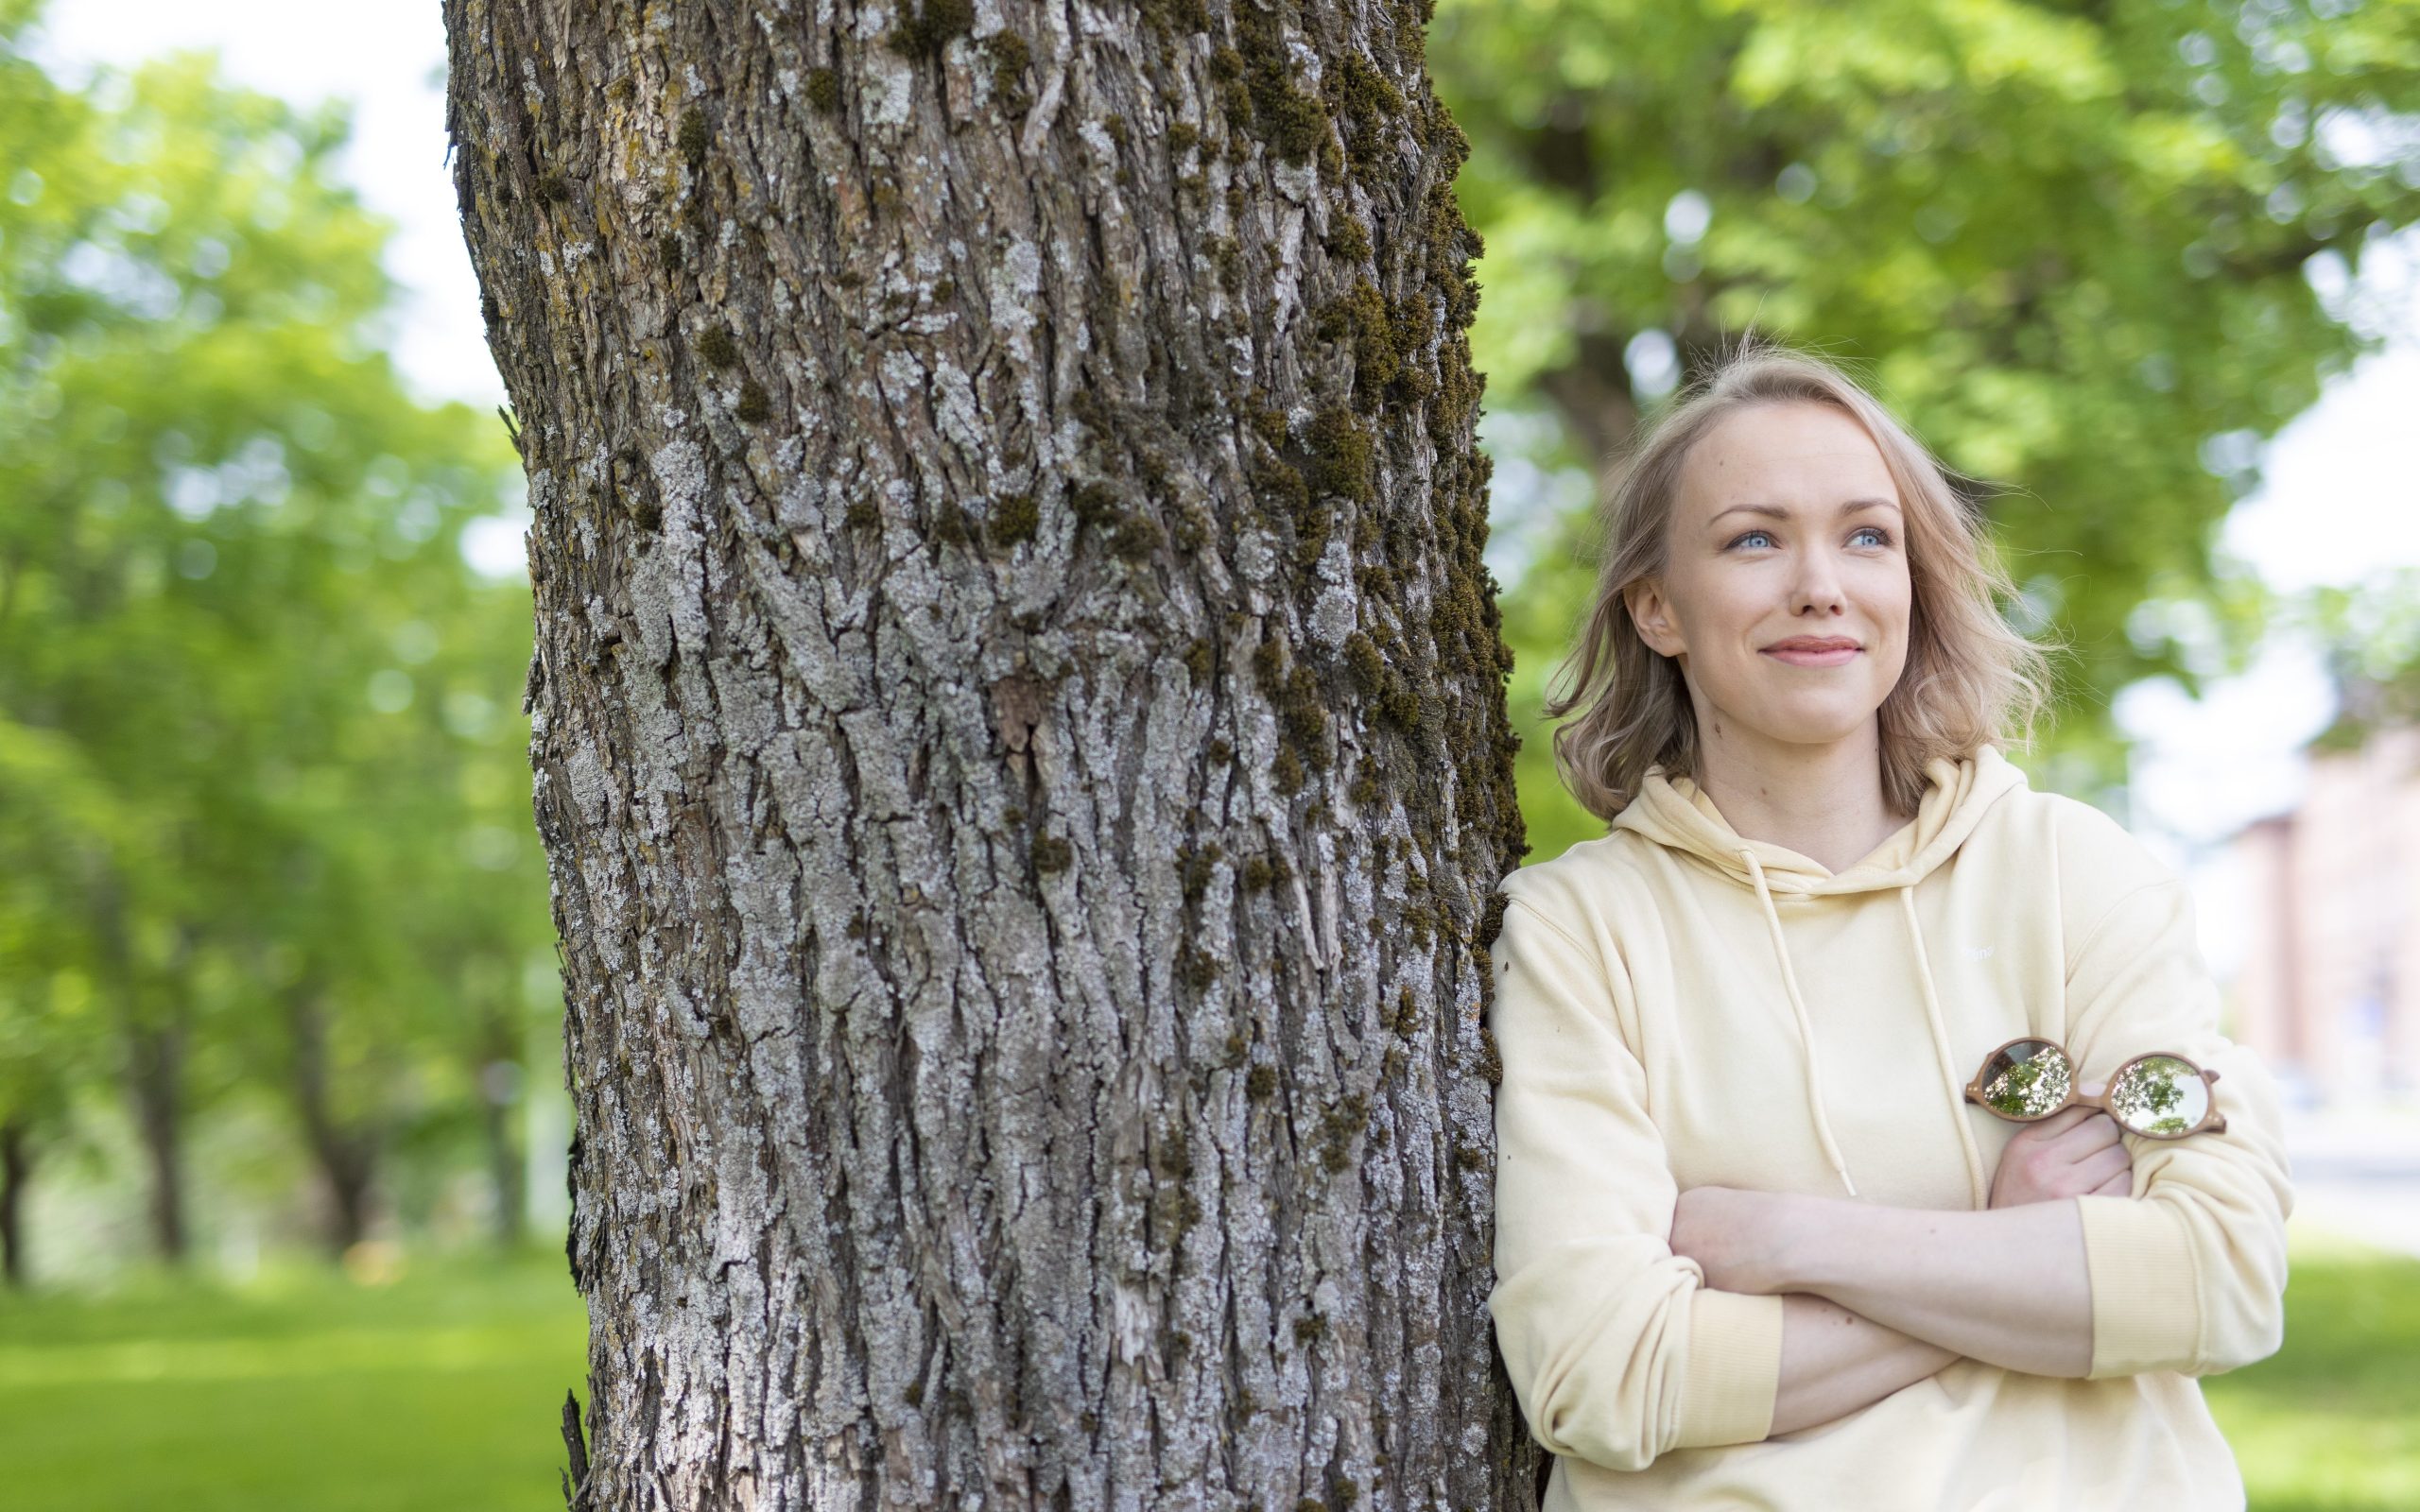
x=1813 y=650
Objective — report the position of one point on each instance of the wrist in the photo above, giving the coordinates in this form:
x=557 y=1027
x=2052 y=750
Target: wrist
x=1798 y=1255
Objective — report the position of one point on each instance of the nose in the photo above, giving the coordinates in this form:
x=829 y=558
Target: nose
x=1815 y=590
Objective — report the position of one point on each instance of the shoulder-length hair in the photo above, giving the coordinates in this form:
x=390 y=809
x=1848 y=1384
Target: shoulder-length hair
x=1970 y=676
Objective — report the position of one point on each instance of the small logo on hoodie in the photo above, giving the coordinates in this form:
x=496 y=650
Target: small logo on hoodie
x=1980 y=952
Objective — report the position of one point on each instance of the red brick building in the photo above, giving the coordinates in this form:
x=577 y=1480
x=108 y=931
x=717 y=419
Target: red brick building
x=2328 y=979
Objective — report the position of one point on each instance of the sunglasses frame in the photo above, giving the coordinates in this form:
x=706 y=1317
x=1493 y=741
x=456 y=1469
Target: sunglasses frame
x=2212 y=1119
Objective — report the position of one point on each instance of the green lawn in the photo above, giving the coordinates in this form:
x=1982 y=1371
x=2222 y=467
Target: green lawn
x=442 y=1391
x=2332 y=1420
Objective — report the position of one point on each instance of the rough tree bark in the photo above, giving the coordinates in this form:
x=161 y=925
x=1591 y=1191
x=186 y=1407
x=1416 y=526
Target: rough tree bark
x=1020 y=741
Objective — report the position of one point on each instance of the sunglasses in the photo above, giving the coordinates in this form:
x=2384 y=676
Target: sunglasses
x=2157 y=1095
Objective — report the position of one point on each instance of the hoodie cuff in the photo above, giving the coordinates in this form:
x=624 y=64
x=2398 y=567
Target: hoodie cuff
x=1734 y=1369
x=2146 y=1310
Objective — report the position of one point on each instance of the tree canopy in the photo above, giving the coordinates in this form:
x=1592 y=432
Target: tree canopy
x=263 y=810
x=2072 y=245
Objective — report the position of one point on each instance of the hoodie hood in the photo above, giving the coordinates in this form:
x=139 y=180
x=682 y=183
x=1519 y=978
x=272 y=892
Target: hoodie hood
x=1674 y=813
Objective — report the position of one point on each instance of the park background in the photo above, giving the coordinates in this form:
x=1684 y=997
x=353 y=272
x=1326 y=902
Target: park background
x=282 y=1122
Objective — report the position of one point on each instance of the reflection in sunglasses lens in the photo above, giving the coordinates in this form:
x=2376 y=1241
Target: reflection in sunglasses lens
x=2026 y=1080
x=2159 y=1094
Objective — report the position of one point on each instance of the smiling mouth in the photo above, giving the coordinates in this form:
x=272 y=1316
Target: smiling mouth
x=1814 y=656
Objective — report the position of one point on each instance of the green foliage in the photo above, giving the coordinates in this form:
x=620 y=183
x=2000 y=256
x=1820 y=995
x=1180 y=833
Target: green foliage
x=2373 y=635
x=258 y=758
x=2067 y=243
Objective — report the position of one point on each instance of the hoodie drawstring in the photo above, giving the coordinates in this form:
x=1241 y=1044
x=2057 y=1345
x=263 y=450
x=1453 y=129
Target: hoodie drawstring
x=1977 y=1183
x=1806 y=1028
x=1976 y=1180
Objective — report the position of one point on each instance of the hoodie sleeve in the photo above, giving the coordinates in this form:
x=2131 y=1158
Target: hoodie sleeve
x=1616 y=1349
x=2189 y=1273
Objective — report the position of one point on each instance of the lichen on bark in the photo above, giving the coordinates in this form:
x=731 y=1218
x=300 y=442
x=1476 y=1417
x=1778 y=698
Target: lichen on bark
x=1019 y=736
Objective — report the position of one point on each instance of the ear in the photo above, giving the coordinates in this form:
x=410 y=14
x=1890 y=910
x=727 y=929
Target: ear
x=1652 y=613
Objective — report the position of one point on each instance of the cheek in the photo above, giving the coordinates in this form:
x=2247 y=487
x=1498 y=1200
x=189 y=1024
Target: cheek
x=1700 y=604
x=1893 y=668
x=1893 y=617
x=1730 y=607
x=1891 y=600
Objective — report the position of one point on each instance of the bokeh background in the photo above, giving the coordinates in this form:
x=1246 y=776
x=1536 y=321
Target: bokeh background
x=282 y=1117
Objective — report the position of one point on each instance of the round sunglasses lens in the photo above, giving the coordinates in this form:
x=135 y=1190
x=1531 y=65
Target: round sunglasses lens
x=2028 y=1079
x=2159 y=1094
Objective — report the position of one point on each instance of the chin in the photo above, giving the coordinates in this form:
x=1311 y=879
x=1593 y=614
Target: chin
x=1814 y=726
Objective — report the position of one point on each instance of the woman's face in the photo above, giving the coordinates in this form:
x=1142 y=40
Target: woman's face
x=1785 y=596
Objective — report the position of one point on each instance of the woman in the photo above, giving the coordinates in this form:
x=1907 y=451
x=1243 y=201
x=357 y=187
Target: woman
x=1754 y=1248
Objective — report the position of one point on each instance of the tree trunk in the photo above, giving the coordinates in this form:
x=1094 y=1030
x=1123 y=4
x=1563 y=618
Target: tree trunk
x=16 y=1170
x=500 y=1082
x=1593 y=397
x=1020 y=743
x=155 y=1055
x=346 y=1158
x=154 y=1044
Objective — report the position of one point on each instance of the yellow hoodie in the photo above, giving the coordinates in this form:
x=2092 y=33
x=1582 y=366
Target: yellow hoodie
x=1678 y=1006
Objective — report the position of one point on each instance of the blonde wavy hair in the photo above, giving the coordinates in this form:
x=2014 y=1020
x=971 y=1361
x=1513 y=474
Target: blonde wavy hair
x=1970 y=676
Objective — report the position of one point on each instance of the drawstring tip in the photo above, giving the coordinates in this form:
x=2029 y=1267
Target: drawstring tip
x=1846 y=1182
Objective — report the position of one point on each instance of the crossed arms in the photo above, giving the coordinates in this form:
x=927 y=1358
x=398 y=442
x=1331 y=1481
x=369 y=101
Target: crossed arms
x=1875 y=1298
x=1636 y=1319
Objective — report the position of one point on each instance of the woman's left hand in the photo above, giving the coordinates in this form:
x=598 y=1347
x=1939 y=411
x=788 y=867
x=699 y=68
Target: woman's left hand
x=1738 y=1237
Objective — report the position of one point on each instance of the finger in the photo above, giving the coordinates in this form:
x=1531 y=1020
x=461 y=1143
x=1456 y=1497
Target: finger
x=2120 y=1185
x=2096 y=1169
x=2090 y=1137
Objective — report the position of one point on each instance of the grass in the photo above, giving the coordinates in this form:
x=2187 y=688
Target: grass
x=2332 y=1420
x=301 y=1392
x=443 y=1389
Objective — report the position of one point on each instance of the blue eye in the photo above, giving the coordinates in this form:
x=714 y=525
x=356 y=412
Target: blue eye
x=1881 y=537
x=1752 y=535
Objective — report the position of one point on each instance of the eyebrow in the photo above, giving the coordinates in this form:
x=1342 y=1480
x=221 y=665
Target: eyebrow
x=1774 y=511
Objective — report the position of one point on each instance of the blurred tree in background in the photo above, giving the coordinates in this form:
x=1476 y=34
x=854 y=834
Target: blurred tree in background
x=2069 y=242
x=264 y=809
x=264 y=834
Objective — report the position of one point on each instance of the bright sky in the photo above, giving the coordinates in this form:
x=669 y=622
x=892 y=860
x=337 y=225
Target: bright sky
x=2341 y=501
x=388 y=58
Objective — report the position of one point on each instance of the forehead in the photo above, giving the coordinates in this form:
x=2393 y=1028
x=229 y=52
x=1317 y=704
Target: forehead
x=1796 y=454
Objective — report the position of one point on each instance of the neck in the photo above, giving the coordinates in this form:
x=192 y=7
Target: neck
x=1824 y=801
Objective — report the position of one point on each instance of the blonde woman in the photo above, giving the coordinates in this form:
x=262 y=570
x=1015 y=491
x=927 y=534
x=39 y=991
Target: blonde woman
x=1757 y=1246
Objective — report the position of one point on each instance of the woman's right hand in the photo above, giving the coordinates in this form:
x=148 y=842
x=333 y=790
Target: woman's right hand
x=2075 y=1152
